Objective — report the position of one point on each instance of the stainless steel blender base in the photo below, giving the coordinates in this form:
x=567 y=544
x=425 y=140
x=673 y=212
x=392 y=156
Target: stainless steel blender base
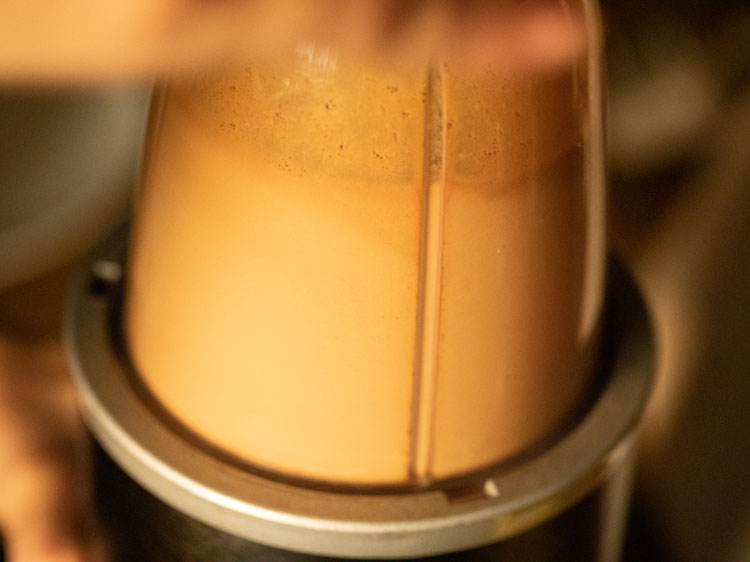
x=142 y=527
x=167 y=498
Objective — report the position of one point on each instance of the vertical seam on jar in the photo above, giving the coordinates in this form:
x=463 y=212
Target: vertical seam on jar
x=429 y=280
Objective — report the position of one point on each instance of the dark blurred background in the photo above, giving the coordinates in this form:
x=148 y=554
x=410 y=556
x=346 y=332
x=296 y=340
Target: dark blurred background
x=679 y=145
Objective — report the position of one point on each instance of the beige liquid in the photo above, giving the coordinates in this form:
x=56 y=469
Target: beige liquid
x=368 y=278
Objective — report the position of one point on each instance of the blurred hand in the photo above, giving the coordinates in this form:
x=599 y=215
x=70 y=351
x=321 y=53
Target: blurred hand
x=45 y=501
x=95 y=41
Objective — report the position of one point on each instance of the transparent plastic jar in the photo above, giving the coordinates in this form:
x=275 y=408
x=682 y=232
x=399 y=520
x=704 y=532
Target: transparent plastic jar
x=364 y=276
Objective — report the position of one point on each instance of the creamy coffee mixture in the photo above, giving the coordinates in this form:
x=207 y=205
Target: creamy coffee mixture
x=355 y=276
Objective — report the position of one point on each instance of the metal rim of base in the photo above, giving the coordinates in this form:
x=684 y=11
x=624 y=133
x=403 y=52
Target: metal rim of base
x=396 y=525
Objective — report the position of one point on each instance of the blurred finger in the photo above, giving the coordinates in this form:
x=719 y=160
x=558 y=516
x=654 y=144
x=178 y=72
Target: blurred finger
x=46 y=512
x=90 y=40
